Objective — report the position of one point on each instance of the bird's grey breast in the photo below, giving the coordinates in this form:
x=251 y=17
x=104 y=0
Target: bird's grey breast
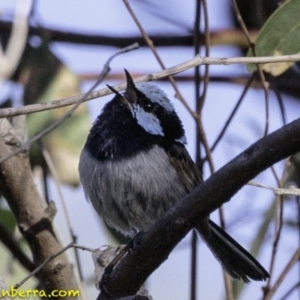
x=131 y=193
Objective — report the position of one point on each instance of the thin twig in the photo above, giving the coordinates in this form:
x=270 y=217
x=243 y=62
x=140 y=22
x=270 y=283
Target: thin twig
x=50 y=258
x=207 y=53
x=278 y=94
x=73 y=237
x=266 y=92
x=196 y=61
x=277 y=228
x=227 y=123
x=260 y=72
x=54 y=175
x=277 y=191
x=82 y=99
x=161 y=63
x=201 y=98
x=197 y=83
x=227 y=279
x=283 y=274
x=287 y=295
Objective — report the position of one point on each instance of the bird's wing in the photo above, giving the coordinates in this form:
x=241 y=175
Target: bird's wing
x=186 y=169
x=189 y=175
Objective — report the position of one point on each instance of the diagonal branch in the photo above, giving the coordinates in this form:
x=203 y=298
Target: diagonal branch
x=152 y=248
x=219 y=37
x=33 y=218
x=196 y=61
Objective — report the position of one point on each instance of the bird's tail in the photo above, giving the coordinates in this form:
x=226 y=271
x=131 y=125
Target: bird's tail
x=238 y=262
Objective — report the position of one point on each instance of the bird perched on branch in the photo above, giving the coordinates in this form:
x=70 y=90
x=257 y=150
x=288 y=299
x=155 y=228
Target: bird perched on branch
x=135 y=166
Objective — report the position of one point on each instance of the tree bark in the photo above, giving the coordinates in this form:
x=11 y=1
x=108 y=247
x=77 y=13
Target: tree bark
x=33 y=217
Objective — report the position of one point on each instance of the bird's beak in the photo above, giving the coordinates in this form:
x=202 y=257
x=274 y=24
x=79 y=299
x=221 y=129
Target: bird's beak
x=130 y=93
x=122 y=98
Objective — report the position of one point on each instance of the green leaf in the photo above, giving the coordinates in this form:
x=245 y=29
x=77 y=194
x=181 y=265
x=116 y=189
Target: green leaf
x=280 y=35
x=7 y=219
x=66 y=142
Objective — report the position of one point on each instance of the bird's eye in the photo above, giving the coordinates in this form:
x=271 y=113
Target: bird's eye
x=148 y=107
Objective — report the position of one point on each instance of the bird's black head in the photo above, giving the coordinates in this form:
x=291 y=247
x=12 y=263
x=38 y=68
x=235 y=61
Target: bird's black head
x=135 y=121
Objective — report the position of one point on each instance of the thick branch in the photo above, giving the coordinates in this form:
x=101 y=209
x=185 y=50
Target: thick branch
x=153 y=247
x=33 y=217
x=221 y=37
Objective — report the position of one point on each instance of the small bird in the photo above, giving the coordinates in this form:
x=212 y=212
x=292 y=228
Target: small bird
x=134 y=167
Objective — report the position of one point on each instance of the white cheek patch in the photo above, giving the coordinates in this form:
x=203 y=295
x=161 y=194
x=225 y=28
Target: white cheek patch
x=182 y=140
x=148 y=121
